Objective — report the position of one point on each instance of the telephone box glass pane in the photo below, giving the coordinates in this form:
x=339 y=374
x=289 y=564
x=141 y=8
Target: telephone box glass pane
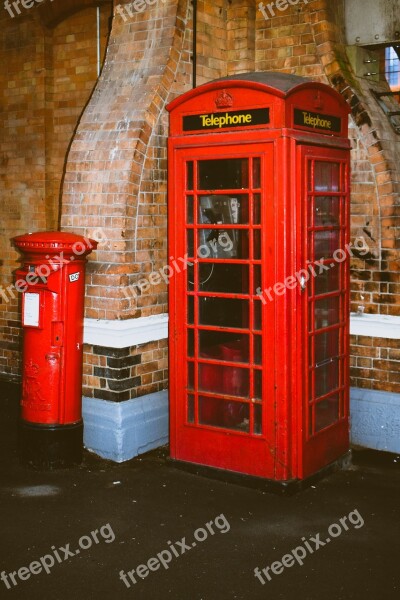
x=190 y=278
x=257 y=349
x=326 y=346
x=327 y=211
x=190 y=243
x=326 y=412
x=326 y=222
x=326 y=243
x=223 y=243
x=223 y=174
x=222 y=413
x=190 y=310
x=190 y=375
x=190 y=408
x=257 y=315
x=219 y=209
x=326 y=377
x=258 y=419
x=257 y=244
x=227 y=380
x=224 y=312
x=189 y=210
x=257 y=209
x=328 y=280
x=189 y=175
x=218 y=240
x=258 y=385
x=327 y=176
x=256 y=172
x=224 y=277
x=326 y=312
x=256 y=278
x=190 y=342
x=221 y=345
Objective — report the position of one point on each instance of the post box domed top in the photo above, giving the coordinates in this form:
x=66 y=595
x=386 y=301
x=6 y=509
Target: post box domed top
x=43 y=242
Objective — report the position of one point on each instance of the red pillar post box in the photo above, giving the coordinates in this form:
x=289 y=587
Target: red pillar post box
x=52 y=282
x=259 y=204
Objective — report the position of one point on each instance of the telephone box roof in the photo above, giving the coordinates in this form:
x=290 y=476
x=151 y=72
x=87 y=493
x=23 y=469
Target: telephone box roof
x=281 y=85
x=280 y=81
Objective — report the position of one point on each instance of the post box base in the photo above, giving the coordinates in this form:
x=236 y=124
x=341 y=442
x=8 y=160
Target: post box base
x=50 y=447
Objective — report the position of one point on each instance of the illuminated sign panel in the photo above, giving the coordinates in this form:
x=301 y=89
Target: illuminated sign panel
x=238 y=118
x=311 y=120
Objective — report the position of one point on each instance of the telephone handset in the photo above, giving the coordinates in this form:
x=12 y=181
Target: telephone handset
x=216 y=210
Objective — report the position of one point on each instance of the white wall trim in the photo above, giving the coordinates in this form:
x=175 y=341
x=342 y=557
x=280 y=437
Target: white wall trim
x=132 y=332
x=383 y=326
x=123 y=334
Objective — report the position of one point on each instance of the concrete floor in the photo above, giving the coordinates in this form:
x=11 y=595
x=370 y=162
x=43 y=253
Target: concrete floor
x=145 y=504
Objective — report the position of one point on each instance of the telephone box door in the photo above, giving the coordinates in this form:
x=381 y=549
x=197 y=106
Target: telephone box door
x=324 y=252
x=222 y=399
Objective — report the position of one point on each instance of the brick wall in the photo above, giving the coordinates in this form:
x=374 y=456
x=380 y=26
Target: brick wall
x=375 y=363
x=287 y=42
x=115 y=173
x=308 y=40
x=48 y=72
x=22 y=160
x=121 y=374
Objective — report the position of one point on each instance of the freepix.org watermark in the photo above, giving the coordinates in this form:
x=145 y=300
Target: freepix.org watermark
x=314 y=543
x=268 y=10
x=53 y=263
x=314 y=269
x=175 y=550
x=17 y=4
x=58 y=555
x=138 y=6
x=208 y=250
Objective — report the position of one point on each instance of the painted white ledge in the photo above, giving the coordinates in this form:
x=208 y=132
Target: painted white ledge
x=123 y=334
x=132 y=332
x=383 y=326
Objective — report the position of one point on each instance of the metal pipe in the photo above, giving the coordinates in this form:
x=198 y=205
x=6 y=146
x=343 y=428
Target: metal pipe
x=98 y=43
x=194 y=47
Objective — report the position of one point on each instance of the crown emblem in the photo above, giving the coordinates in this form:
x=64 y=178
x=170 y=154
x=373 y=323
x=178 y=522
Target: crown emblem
x=31 y=370
x=224 y=100
x=318 y=102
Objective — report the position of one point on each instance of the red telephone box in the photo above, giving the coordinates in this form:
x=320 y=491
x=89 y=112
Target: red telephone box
x=52 y=282
x=259 y=320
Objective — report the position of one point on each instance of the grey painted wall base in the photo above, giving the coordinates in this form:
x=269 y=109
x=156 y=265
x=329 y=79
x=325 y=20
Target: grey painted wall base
x=375 y=419
x=120 y=431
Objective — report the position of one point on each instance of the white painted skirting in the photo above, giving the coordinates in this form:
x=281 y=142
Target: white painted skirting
x=132 y=332
x=123 y=334
x=382 y=326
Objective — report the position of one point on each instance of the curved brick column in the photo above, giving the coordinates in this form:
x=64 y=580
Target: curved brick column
x=115 y=176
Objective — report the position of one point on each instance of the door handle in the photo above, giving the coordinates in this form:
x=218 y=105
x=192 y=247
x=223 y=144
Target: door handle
x=303 y=283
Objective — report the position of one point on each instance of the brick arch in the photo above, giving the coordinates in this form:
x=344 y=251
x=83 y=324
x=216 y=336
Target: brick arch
x=53 y=13
x=371 y=144
x=115 y=174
